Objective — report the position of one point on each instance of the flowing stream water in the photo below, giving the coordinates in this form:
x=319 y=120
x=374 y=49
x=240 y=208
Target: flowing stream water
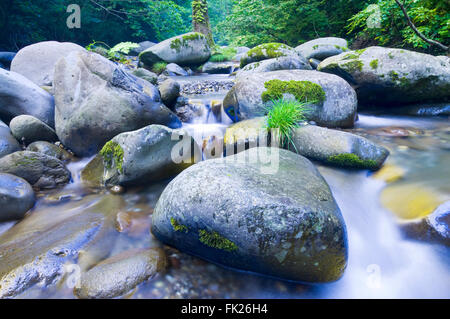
x=383 y=263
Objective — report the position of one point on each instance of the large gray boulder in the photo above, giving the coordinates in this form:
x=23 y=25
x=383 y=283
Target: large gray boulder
x=40 y=170
x=8 y=144
x=283 y=222
x=336 y=100
x=267 y=51
x=141 y=157
x=30 y=129
x=338 y=148
x=37 y=61
x=96 y=100
x=120 y=274
x=322 y=48
x=16 y=197
x=186 y=49
x=384 y=76
x=282 y=63
x=18 y=96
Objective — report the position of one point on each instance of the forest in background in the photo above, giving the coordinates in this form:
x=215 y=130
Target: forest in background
x=233 y=22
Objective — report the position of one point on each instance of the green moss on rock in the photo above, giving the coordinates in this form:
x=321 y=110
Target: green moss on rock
x=351 y=160
x=112 y=153
x=215 y=240
x=177 y=226
x=303 y=91
x=264 y=51
x=353 y=66
x=374 y=64
x=178 y=43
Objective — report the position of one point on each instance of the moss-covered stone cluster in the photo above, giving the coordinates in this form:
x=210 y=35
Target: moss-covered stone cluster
x=350 y=160
x=112 y=154
x=303 y=91
x=215 y=240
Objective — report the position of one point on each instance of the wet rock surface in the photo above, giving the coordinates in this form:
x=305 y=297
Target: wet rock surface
x=121 y=273
x=29 y=129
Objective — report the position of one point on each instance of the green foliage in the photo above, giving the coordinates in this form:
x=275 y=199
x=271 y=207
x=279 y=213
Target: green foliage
x=215 y=240
x=112 y=154
x=253 y=22
x=431 y=17
x=284 y=116
x=222 y=54
x=303 y=91
x=351 y=160
x=159 y=67
x=26 y=22
x=116 y=53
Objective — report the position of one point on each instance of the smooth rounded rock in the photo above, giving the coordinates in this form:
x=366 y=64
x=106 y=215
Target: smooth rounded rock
x=281 y=221
x=16 y=197
x=37 y=61
x=18 y=96
x=29 y=129
x=119 y=274
x=40 y=170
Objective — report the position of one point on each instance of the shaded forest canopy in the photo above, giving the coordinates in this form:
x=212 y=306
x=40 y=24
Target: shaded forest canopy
x=233 y=22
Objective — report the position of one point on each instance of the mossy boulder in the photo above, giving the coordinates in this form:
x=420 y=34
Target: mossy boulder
x=384 y=76
x=322 y=48
x=40 y=170
x=338 y=148
x=332 y=100
x=96 y=100
x=266 y=51
x=292 y=62
x=139 y=157
x=283 y=223
x=186 y=49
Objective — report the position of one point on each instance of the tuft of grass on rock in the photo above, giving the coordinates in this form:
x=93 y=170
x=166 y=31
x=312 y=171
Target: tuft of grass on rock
x=284 y=116
x=159 y=67
x=221 y=54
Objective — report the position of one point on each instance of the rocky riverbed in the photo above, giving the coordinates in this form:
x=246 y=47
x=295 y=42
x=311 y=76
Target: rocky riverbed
x=101 y=198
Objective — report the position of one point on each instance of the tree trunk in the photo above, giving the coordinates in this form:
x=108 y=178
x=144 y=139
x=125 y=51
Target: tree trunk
x=200 y=20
